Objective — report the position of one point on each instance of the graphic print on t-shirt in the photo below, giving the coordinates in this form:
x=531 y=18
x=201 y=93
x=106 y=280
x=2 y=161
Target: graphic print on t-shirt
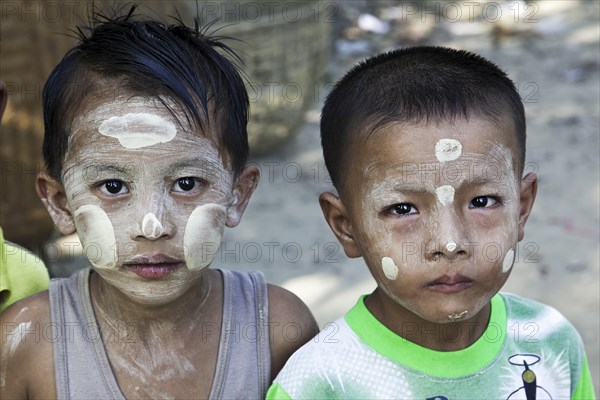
x=536 y=377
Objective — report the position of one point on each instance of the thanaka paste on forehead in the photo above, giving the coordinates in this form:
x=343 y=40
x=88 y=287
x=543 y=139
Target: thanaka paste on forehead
x=390 y=269
x=447 y=150
x=97 y=235
x=445 y=194
x=135 y=121
x=509 y=258
x=137 y=130
x=151 y=226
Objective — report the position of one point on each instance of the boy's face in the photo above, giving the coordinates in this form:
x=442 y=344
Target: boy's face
x=148 y=198
x=436 y=211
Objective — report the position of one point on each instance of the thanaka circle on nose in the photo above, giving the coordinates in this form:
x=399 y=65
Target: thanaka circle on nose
x=451 y=246
x=151 y=227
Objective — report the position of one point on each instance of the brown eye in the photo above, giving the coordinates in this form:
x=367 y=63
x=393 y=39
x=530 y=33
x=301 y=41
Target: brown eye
x=114 y=187
x=186 y=184
x=479 y=202
x=402 y=209
x=483 y=202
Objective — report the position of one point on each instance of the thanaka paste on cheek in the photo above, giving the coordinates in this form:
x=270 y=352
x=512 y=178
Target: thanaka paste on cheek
x=97 y=236
x=445 y=194
x=509 y=259
x=151 y=227
x=447 y=150
x=203 y=234
x=390 y=269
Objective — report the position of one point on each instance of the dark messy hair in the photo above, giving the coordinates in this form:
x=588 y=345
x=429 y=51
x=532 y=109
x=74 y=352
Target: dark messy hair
x=414 y=85
x=126 y=54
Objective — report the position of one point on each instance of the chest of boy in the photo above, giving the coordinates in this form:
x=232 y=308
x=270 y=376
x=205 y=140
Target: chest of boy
x=519 y=371
x=164 y=369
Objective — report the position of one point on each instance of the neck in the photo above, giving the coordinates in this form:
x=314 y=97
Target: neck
x=113 y=308
x=155 y=351
x=450 y=336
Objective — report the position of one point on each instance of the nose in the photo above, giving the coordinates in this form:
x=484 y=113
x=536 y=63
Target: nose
x=154 y=224
x=152 y=228
x=448 y=237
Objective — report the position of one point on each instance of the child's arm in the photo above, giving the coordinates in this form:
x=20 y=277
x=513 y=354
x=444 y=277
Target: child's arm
x=26 y=356
x=292 y=326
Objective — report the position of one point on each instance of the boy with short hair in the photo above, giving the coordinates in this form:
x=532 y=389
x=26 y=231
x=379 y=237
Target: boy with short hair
x=426 y=148
x=146 y=145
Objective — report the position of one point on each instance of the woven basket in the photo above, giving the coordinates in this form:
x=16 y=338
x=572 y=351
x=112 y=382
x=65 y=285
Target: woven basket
x=284 y=51
x=285 y=46
x=284 y=60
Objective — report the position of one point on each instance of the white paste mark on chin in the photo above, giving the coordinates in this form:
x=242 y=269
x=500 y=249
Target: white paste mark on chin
x=456 y=316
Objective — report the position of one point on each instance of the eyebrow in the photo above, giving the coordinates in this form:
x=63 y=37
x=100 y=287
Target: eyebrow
x=124 y=170
x=417 y=187
x=479 y=180
x=401 y=187
x=195 y=163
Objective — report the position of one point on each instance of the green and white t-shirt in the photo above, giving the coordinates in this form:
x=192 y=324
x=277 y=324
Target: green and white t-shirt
x=528 y=351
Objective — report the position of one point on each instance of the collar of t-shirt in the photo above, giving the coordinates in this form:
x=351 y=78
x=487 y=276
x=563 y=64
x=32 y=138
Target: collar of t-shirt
x=463 y=362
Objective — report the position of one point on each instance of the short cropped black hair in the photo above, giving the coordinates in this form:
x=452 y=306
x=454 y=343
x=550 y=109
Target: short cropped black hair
x=413 y=85
x=124 y=53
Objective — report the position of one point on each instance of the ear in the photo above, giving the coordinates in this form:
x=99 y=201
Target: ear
x=528 y=192
x=243 y=188
x=336 y=215
x=53 y=196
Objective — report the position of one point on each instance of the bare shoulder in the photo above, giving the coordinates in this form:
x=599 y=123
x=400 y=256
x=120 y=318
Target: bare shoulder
x=291 y=325
x=26 y=362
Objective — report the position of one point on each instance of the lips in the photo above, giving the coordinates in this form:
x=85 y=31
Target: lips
x=450 y=284
x=154 y=266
